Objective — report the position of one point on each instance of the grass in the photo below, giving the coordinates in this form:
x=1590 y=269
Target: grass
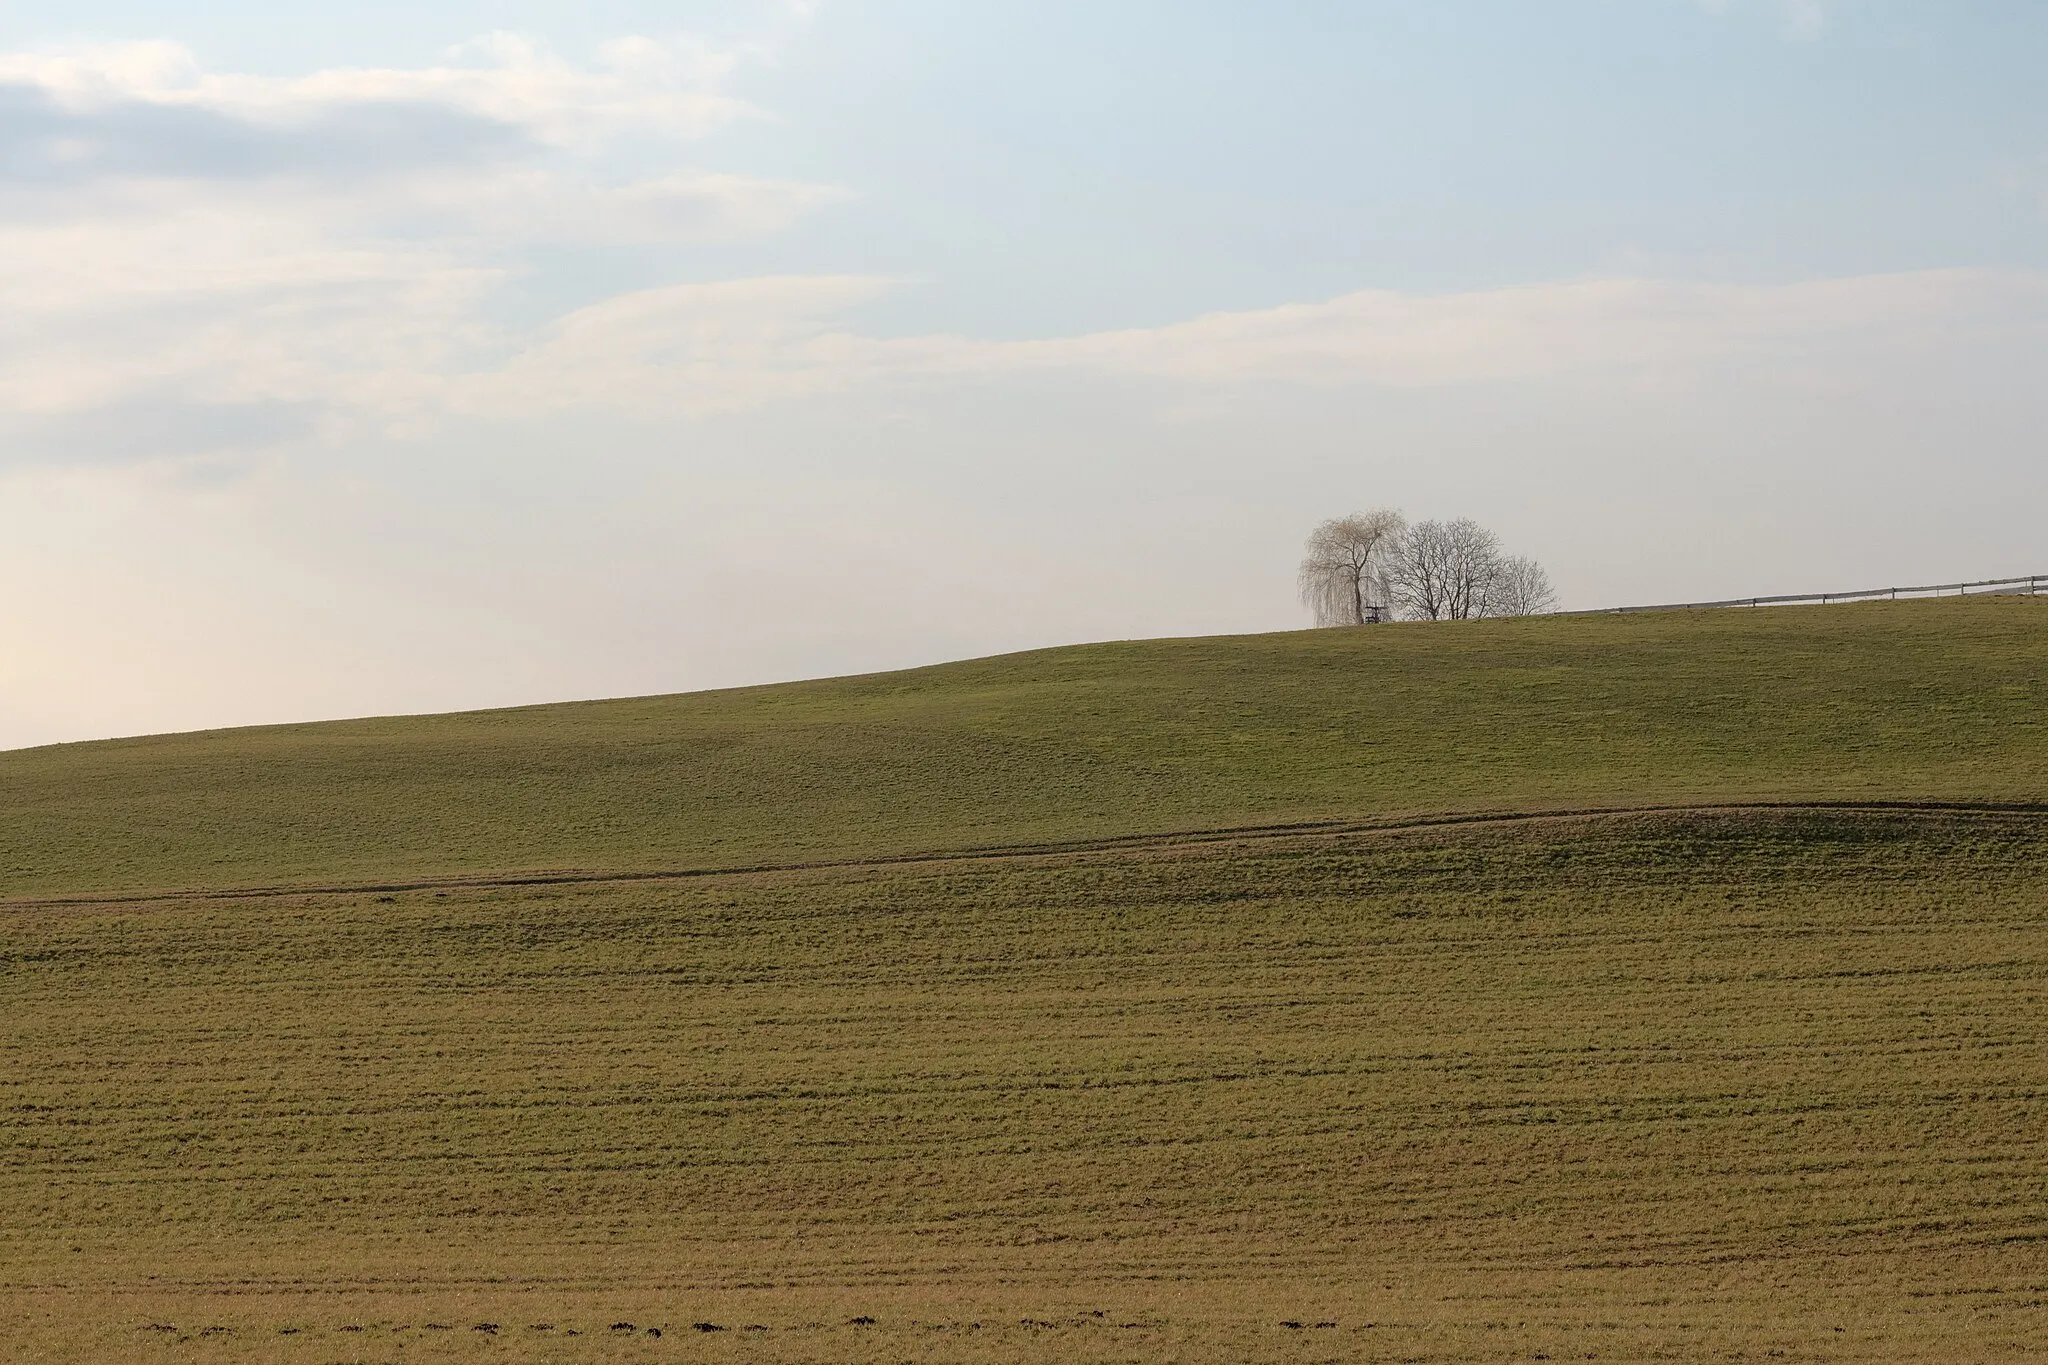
x=1632 y=1085
x=1756 y=1083
x=1906 y=700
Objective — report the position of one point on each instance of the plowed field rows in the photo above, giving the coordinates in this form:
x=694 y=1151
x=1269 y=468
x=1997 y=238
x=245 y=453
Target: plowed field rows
x=1679 y=1086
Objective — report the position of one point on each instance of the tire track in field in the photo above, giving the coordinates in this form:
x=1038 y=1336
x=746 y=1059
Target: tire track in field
x=1051 y=848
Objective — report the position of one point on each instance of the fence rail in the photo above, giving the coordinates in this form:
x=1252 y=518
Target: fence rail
x=2028 y=586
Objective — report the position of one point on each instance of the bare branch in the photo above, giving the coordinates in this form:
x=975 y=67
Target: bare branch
x=1343 y=576
x=1371 y=565
x=1519 y=588
x=1442 y=570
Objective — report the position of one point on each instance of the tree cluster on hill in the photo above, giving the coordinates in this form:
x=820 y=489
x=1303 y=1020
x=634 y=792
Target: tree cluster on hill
x=1374 y=566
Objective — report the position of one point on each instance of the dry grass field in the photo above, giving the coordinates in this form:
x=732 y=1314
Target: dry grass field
x=1718 y=1083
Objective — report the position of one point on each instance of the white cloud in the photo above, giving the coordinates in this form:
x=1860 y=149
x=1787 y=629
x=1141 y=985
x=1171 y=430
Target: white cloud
x=399 y=338
x=691 y=348
x=684 y=206
x=293 y=249
x=637 y=85
x=749 y=342
x=1615 y=328
x=1799 y=19
x=226 y=299
x=173 y=236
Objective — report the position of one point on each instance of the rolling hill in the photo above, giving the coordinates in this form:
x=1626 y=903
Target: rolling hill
x=1926 y=700
x=1625 y=988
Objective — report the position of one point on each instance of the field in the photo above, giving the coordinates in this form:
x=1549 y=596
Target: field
x=1748 y=1076
x=1944 y=700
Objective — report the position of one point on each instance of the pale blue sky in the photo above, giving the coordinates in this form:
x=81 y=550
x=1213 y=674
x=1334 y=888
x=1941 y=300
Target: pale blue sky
x=359 y=360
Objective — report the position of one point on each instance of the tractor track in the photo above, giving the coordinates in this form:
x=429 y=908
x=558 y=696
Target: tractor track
x=994 y=852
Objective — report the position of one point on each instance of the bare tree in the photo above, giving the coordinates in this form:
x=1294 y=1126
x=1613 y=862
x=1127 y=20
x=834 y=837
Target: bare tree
x=1519 y=588
x=1372 y=563
x=1442 y=570
x=1344 y=574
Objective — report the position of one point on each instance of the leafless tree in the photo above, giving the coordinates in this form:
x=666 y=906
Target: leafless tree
x=1344 y=574
x=1442 y=570
x=1358 y=567
x=1519 y=587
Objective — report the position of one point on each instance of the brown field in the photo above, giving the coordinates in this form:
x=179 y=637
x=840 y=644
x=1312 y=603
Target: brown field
x=1713 y=1085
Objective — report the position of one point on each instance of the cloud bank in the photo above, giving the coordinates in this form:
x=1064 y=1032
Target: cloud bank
x=329 y=244
x=260 y=256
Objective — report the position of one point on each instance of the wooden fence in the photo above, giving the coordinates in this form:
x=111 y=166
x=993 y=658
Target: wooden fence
x=2034 y=583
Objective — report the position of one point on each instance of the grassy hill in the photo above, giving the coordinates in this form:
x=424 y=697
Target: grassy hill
x=1704 y=1082
x=1910 y=700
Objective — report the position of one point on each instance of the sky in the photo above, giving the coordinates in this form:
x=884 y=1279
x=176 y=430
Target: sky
x=413 y=357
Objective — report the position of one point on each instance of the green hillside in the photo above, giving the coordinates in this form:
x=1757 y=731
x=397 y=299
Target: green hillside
x=1758 y=1074
x=1943 y=700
